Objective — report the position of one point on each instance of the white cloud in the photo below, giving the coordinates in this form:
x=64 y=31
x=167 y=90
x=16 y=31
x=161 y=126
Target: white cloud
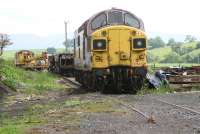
x=43 y=17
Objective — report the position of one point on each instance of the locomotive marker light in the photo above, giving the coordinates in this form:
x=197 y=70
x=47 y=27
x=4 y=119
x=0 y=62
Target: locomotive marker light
x=104 y=33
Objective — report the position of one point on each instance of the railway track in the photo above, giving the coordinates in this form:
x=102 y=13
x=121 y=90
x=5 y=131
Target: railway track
x=149 y=118
x=178 y=106
x=71 y=82
x=74 y=84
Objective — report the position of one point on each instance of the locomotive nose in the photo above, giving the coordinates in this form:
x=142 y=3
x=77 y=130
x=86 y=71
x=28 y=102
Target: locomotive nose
x=119 y=46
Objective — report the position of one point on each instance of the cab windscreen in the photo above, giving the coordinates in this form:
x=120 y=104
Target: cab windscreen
x=139 y=43
x=99 y=44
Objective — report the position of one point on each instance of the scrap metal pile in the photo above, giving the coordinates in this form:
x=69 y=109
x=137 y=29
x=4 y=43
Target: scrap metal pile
x=189 y=76
x=184 y=75
x=29 y=60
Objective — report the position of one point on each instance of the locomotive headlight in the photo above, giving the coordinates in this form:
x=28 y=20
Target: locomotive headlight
x=99 y=44
x=139 y=43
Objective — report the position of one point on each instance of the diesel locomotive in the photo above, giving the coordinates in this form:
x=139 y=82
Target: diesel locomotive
x=110 y=52
x=28 y=60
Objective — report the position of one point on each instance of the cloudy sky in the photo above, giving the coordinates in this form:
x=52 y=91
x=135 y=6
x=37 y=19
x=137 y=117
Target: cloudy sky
x=46 y=17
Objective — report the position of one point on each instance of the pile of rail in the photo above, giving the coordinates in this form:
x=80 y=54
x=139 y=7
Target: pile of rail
x=184 y=75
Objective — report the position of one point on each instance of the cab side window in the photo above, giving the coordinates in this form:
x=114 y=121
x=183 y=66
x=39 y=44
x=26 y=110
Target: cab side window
x=99 y=21
x=79 y=55
x=131 y=21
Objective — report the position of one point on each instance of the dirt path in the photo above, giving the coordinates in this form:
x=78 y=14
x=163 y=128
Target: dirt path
x=81 y=112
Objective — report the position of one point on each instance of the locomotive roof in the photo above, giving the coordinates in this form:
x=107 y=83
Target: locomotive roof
x=86 y=24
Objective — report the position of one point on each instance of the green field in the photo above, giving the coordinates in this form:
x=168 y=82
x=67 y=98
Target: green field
x=161 y=53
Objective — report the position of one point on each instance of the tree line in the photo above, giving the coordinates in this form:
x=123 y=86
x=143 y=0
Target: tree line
x=177 y=50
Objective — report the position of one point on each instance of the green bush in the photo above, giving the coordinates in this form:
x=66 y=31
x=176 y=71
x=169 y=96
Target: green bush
x=198 y=45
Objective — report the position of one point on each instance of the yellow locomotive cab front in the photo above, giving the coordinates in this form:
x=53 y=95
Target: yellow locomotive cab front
x=124 y=46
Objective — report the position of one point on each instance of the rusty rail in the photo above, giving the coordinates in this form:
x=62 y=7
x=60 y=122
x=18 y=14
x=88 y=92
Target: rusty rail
x=184 y=79
x=150 y=118
x=72 y=82
x=182 y=107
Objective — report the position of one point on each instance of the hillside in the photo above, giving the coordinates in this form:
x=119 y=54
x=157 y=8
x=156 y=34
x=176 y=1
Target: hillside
x=161 y=53
x=193 y=53
x=191 y=44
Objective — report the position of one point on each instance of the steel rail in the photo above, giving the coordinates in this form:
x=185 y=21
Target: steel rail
x=72 y=82
x=179 y=106
x=150 y=118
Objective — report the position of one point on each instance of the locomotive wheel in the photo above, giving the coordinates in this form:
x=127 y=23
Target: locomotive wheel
x=135 y=84
x=117 y=82
x=100 y=85
x=117 y=87
x=138 y=83
x=130 y=88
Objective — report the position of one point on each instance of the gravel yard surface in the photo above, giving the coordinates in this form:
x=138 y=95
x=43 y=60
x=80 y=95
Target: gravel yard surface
x=96 y=113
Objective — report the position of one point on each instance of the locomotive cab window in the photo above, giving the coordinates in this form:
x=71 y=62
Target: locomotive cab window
x=99 y=21
x=115 y=17
x=74 y=46
x=79 y=40
x=131 y=21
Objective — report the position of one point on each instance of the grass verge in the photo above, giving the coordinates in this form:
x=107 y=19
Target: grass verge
x=27 y=81
x=160 y=90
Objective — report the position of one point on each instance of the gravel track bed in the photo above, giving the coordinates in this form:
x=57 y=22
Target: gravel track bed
x=123 y=120
x=169 y=119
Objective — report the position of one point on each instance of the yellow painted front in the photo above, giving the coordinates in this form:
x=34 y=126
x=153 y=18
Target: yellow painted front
x=100 y=60
x=124 y=45
x=136 y=61
x=21 y=58
x=113 y=46
x=119 y=48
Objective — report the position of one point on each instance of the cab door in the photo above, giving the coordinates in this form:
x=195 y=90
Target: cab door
x=124 y=47
x=113 y=47
x=119 y=47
